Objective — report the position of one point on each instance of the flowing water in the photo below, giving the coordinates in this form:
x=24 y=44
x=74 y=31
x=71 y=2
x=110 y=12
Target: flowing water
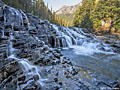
x=86 y=50
x=29 y=69
x=83 y=48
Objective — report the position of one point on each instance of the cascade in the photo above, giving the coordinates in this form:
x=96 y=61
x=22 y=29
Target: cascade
x=77 y=40
x=25 y=19
x=17 y=16
x=28 y=68
x=79 y=37
x=3 y=33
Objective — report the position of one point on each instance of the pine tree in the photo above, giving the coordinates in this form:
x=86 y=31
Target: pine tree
x=100 y=15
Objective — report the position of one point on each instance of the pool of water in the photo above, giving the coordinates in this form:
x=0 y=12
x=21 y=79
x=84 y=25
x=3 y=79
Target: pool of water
x=106 y=63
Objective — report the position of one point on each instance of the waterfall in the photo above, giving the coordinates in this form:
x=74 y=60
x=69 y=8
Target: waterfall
x=25 y=18
x=17 y=16
x=11 y=49
x=78 y=37
x=31 y=70
x=28 y=68
x=68 y=40
x=70 y=35
x=3 y=33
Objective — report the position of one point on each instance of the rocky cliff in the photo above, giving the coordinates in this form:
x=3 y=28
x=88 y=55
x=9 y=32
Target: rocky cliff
x=68 y=9
x=29 y=59
x=67 y=12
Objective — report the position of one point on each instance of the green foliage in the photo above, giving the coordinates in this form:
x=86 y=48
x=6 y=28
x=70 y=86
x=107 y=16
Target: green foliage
x=60 y=21
x=68 y=18
x=91 y=15
x=82 y=16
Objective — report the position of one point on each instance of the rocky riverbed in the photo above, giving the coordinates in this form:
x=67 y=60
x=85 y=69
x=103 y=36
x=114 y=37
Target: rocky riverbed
x=30 y=58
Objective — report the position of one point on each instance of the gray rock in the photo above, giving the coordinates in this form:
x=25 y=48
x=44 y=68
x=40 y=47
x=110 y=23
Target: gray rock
x=33 y=43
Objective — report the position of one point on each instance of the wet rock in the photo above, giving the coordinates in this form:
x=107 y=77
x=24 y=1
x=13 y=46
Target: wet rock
x=33 y=31
x=1 y=13
x=36 y=77
x=9 y=72
x=44 y=68
x=22 y=78
x=32 y=86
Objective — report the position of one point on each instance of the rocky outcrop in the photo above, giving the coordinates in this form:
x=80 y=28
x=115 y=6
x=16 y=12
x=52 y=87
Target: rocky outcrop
x=68 y=13
x=112 y=40
x=68 y=9
x=28 y=61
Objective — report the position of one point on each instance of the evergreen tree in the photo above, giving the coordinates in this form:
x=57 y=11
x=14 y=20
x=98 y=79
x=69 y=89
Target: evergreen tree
x=82 y=16
x=99 y=15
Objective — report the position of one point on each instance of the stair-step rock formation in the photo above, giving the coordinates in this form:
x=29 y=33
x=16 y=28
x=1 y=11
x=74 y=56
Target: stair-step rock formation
x=28 y=61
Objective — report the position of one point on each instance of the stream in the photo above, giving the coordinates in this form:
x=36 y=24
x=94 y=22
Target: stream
x=35 y=45
x=87 y=50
